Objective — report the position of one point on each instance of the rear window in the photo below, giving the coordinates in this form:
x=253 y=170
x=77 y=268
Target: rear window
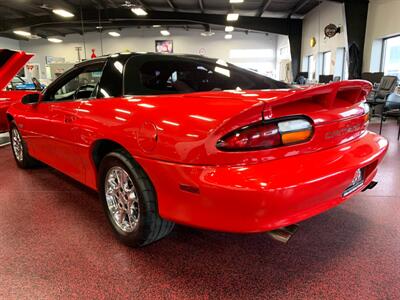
x=167 y=75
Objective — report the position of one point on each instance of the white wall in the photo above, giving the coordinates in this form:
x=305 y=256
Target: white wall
x=9 y=44
x=190 y=42
x=313 y=26
x=383 y=21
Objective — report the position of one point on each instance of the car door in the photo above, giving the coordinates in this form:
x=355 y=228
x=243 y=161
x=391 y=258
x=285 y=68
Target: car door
x=54 y=121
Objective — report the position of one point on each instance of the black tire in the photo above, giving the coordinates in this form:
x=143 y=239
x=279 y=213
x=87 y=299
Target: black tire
x=150 y=226
x=25 y=161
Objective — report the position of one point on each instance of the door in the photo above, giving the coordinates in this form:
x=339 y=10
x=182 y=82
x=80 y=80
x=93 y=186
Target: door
x=54 y=121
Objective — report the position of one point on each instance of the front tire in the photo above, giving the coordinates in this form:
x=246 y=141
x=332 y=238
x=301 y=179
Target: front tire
x=130 y=201
x=20 y=150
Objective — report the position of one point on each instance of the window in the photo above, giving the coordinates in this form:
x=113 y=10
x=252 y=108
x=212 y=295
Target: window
x=78 y=84
x=340 y=69
x=326 y=63
x=311 y=67
x=171 y=75
x=391 y=56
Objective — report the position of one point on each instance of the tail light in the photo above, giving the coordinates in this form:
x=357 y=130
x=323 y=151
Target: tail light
x=267 y=135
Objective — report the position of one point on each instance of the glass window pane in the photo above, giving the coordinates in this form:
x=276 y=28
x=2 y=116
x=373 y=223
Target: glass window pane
x=391 y=58
x=326 y=63
x=181 y=75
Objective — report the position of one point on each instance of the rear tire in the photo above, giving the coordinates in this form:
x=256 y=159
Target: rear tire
x=20 y=149
x=130 y=201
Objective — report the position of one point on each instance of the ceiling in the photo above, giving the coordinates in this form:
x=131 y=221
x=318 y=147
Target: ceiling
x=37 y=17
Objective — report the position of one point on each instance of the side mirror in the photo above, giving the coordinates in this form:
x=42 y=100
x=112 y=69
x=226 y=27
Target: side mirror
x=31 y=98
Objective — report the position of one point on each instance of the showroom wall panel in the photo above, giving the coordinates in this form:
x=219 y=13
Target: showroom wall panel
x=383 y=21
x=313 y=27
x=6 y=43
x=183 y=42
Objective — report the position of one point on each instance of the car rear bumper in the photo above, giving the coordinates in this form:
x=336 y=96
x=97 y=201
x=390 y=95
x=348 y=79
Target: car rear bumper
x=264 y=196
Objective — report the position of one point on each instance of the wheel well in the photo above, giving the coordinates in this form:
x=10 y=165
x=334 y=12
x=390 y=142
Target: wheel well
x=101 y=148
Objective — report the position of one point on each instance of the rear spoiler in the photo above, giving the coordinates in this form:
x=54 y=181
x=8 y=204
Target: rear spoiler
x=10 y=63
x=352 y=91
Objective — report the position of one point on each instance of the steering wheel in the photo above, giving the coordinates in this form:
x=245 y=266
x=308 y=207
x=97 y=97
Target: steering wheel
x=84 y=88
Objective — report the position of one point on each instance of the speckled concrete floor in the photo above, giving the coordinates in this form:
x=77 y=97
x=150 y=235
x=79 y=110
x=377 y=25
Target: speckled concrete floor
x=55 y=243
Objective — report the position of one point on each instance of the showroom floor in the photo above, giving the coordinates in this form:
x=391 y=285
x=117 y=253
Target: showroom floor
x=55 y=242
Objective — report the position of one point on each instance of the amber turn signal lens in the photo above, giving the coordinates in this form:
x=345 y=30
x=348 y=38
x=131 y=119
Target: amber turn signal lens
x=296 y=137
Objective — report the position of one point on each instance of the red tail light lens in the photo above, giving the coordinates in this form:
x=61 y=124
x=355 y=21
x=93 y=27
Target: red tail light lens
x=251 y=138
x=267 y=135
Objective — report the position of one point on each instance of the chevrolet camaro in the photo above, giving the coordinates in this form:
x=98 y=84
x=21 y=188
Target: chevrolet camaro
x=185 y=139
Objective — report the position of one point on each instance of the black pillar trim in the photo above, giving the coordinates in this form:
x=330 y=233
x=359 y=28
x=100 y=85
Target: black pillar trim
x=356 y=23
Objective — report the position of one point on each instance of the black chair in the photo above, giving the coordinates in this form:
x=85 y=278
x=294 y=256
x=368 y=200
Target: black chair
x=301 y=77
x=395 y=113
x=379 y=96
x=367 y=76
x=325 y=78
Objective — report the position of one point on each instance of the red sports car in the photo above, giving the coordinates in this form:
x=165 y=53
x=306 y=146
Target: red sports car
x=185 y=139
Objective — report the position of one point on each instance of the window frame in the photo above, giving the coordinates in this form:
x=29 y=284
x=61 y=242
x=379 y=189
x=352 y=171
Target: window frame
x=383 y=51
x=67 y=77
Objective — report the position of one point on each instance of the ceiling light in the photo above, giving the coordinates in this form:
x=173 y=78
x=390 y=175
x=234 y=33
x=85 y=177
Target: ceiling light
x=63 y=13
x=229 y=28
x=232 y=17
x=165 y=32
x=139 y=11
x=54 y=40
x=236 y=1
x=22 y=33
x=114 y=34
x=207 y=33
x=156 y=26
x=228 y=36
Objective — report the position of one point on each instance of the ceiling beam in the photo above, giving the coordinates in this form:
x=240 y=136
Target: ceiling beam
x=263 y=7
x=20 y=12
x=201 y=5
x=299 y=5
x=125 y=17
x=171 y=5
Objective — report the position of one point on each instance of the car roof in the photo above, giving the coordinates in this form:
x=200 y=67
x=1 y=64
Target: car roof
x=104 y=58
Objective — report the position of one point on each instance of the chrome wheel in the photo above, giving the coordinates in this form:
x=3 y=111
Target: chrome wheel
x=17 y=145
x=122 y=199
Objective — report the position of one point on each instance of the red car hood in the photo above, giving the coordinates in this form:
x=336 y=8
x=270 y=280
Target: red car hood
x=10 y=63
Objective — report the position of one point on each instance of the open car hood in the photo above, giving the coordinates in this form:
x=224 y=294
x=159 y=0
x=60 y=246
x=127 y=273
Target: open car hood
x=10 y=63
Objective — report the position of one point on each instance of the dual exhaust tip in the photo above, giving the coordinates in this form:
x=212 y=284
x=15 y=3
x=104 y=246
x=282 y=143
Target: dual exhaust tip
x=284 y=234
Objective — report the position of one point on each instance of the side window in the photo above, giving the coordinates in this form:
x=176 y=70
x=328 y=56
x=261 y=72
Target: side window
x=82 y=85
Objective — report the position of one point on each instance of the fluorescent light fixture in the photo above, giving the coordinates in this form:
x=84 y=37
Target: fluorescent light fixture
x=22 y=33
x=229 y=28
x=156 y=26
x=228 y=36
x=114 y=34
x=139 y=11
x=54 y=40
x=165 y=32
x=207 y=33
x=63 y=13
x=232 y=17
x=236 y=1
